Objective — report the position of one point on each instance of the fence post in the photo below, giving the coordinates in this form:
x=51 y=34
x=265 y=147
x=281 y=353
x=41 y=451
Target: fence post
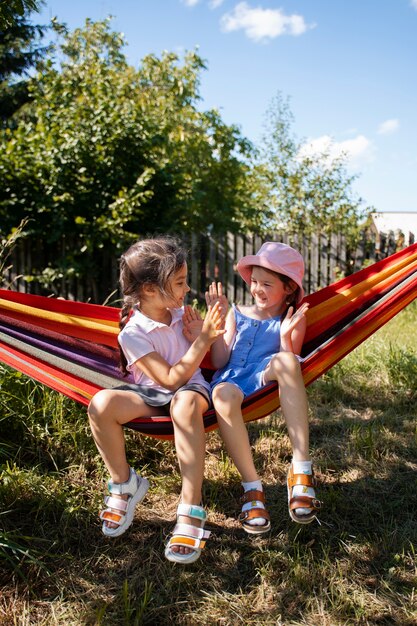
x=194 y=266
x=221 y=259
x=230 y=285
x=314 y=262
x=324 y=253
x=239 y=253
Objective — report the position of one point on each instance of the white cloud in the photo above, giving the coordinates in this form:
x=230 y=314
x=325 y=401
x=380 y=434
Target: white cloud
x=414 y=4
x=190 y=3
x=389 y=126
x=357 y=151
x=262 y=24
x=215 y=3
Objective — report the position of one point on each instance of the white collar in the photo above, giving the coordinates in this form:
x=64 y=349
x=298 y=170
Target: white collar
x=148 y=324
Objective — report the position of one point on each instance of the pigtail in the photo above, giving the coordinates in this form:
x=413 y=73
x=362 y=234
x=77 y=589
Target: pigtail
x=125 y=313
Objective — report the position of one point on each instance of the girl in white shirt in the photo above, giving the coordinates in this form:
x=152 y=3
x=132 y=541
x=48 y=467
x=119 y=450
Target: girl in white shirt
x=165 y=368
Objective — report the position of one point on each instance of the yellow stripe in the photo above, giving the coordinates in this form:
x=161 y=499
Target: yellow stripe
x=106 y=326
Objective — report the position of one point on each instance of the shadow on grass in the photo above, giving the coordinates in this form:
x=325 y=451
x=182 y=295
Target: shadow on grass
x=366 y=538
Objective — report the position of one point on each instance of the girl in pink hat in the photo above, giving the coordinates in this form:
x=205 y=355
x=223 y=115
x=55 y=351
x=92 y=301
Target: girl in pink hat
x=261 y=344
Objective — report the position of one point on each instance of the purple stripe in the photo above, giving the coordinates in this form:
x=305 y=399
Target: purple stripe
x=95 y=362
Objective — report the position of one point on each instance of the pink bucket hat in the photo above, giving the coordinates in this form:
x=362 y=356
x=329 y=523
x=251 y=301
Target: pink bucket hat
x=277 y=257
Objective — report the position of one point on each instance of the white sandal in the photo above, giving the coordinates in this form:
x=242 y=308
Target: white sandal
x=187 y=535
x=121 y=511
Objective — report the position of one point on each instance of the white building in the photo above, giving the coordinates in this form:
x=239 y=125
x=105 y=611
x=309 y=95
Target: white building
x=397 y=222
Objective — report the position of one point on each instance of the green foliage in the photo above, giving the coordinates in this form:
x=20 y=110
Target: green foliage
x=106 y=152
x=20 y=51
x=303 y=194
x=11 y=10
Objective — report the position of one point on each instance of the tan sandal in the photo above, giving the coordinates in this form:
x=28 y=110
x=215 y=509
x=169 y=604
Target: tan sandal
x=253 y=496
x=301 y=502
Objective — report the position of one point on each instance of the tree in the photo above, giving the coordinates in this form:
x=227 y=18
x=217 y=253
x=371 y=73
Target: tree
x=20 y=51
x=11 y=10
x=106 y=152
x=303 y=194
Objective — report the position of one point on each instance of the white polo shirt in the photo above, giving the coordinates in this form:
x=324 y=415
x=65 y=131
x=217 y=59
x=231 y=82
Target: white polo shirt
x=142 y=335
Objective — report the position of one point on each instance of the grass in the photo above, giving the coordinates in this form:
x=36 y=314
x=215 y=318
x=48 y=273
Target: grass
x=357 y=567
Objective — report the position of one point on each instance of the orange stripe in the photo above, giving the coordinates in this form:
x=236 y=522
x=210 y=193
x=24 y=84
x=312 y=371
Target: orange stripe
x=187 y=540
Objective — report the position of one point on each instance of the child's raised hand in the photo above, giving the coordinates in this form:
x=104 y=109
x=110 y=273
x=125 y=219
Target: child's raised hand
x=215 y=294
x=293 y=320
x=192 y=323
x=213 y=325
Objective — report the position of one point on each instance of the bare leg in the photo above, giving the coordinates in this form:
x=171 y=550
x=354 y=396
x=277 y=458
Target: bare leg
x=227 y=400
x=285 y=369
x=187 y=408
x=109 y=409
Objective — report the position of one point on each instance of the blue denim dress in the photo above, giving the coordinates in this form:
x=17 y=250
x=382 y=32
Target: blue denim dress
x=256 y=341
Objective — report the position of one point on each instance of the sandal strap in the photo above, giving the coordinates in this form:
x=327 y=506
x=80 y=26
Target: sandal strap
x=116 y=503
x=253 y=513
x=189 y=536
x=187 y=542
x=304 y=502
x=306 y=480
x=191 y=531
x=108 y=515
x=252 y=495
x=192 y=510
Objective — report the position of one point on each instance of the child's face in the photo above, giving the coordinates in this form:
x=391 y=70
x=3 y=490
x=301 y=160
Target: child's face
x=268 y=290
x=177 y=287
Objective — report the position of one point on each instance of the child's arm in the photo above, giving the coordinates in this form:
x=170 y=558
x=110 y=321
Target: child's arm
x=174 y=376
x=293 y=329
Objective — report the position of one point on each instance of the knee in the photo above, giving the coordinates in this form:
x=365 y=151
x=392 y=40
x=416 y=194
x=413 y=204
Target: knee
x=285 y=362
x=227 y=396
x=99 y=405
x=185 y=406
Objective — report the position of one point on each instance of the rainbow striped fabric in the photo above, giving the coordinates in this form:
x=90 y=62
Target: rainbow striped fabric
x=71 y=347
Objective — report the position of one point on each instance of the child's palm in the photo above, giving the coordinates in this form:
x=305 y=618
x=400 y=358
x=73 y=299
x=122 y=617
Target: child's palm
x=293 y=319
x=215 y=294
x=213 y=325
x=192 y=323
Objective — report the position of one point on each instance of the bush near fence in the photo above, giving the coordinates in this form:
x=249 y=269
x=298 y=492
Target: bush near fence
x=211 y=257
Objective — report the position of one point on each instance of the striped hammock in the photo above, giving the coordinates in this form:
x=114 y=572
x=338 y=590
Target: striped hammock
x=71 y=347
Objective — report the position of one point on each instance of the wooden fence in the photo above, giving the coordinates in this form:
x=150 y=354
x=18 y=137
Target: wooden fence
x=327 y=258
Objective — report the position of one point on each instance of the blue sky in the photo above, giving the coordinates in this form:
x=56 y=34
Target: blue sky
x=349 y=68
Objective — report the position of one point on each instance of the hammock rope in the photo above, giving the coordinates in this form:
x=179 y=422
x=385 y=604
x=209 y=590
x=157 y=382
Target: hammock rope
x=71 y=347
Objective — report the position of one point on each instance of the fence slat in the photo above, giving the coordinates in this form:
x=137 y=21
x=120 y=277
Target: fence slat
x=210 y=258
